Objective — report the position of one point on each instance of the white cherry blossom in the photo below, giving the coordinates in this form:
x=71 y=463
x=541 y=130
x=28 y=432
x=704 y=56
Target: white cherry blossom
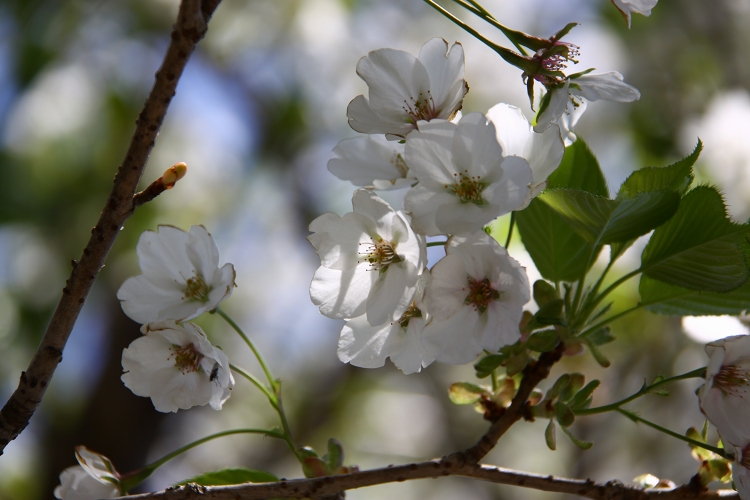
x=95 y=477
x=725 y=397
x=476 y=298
x=177 y=367
x=404 y=89
x=741 y=468
x=543 y=151
x=370 y=260
x=402 y=340
x=576 y=91
x=181 y=276
x=626 y=7
x=371 y=161
x=465 y=180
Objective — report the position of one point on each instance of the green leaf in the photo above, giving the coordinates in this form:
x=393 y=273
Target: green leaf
x=576 y=383
x=464 y=393
x=486 y=365
x=560 y=384
x=558 y=253
x=676 y=177
x=231 y=476
x=599 y=220
x=579 y=169
x=671 y=300
x=549 y=435
x=584 y=445
x=549 y=314
x=334 y=459
x=597 y=354
x=564 y=415
x=601 y=336
x=543 y=341
x=544 y=293
x=700 y=247
x=582 y=399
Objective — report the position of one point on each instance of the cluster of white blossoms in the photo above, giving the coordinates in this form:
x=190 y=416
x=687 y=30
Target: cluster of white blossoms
x=173 y=363
x=725 y=400
x=462 y=173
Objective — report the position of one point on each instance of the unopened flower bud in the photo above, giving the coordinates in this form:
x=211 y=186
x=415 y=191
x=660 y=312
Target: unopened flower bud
x=174 y=174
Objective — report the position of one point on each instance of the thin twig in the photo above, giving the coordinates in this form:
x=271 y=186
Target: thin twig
x=188 y=30
x=324 y=486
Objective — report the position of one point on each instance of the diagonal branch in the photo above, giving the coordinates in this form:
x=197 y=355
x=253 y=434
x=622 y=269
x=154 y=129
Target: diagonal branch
x=187 y=31
x=327 y=486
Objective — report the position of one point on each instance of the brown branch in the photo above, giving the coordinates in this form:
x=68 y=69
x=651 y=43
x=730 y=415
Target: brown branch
x=533 y=374
x=325 y=486
x=187 y=31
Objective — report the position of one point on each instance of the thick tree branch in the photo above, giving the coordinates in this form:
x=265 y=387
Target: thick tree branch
x=188 y=30
x=326 y=486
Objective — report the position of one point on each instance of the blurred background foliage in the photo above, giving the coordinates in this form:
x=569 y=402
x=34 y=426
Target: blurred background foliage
x=257 y=112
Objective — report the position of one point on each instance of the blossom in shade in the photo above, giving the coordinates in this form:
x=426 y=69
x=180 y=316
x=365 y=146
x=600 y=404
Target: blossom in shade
x=402 y=340
x=95 y=477
x=741 y=468
x=369 y=261
x=725 y=397
x=577 y=90
x=371 y=161
x=543 y=151
x=476 y=298
x=627 y=7
x=404 y=89
x=465 y=180
x=177 y=367
x=181 y=276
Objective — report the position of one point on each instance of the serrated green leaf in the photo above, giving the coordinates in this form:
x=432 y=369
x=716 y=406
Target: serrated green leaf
x=599 y=220
x=465 y=393
x=617 y=249
x=671 y=300
x=549 y=435
x=544 y=293
x=676 y=177
x=700 y=247
x=231 y=476
x=543 y=341
x=486 y=365
x=558 y=253
x=579 y=169
x=584 y=445
x=582 y=399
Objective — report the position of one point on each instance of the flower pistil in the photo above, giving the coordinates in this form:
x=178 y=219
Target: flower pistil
x=480 y=294
x=187 y=358
x=196 y=289
x=467 y=188
x=380 y=254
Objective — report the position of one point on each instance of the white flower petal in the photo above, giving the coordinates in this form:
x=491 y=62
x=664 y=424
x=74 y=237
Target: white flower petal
x=77 y=484
x=445 y=67
x=364 y=345
x=428 y=153
x=363 y=119
x=392 y=293
x=626 y=7
x=558 y=103
x=341 y=294
x=414 y=354
x=607 y=86
x=370 y=161
x=181 y=276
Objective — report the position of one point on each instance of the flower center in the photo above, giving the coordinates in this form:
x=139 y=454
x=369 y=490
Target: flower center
x=468 y=189
x=480 y=294
x=731 y=380
x=380 y=254
x=422 y=108
x=412 y=312
x=187 y=358
x=196 y=289
x=398 y=161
